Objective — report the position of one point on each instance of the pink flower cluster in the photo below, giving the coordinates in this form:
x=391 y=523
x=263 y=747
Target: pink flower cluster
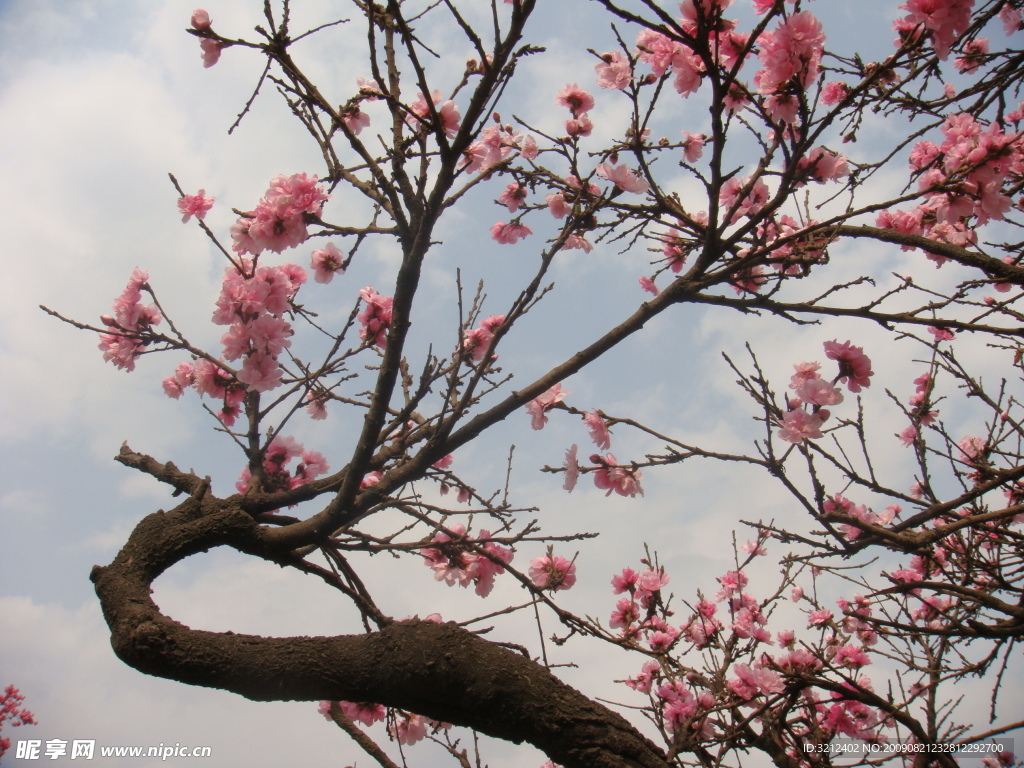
x=921 y=415
x=447 y=113
x=821 y=165
x=806 y=412
x=964 y=181
x=281 y=217
x=742 y=196
x=942 y=20
x=540 y=405
x=758 y=680
x=476 y=341
x=210 y=48
x=129 y=325
x=375 y=317
x=458 y=561
x=644 y=590
x=363 y=712
x=838 y=504
x=496 y=144
x=253 y=303
x=624 y=178
x=611 y=476
x=208 y=378
x=13 y=713
x=509 y=234
x=791 y=55
x=409 y=728
x=663 y=54
x=614 y=71
x=279 y=476
x=579 y=102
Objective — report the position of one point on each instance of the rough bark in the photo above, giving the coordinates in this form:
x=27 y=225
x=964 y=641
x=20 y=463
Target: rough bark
x=438 y=670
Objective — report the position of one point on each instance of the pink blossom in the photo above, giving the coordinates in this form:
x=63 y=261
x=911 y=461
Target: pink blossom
x=732 y=582
x=754 y=548
x=447 y=113
x=194 y=205
x=316 y=407
x=409 y=728
x=496 y=143
x=572 y=469
x=624 y=177
x=576 y=242
x=651 y=580
x=509 y=234
x=819 y=618
x=557 y=206
x=972 y=449
x=477 y=341
x=598 y=430
x=183 y=377
x=626 y=614
x=363 y=712
x=625 y=581
x=453 y=560
x=851 y=656
x=833 y=92
x=1013 y=20
x=575 y=99
x=375 y=317
x=754 y=196
x=280 y=218
x=648 y=285
x=210 y=51
x=552 y=572
x=580 y=125
x=908 y=435
x=643 y=681
x=355 y=120
x=791 y=53
x=854 y=365
x=693 y=146
x=370 y=479
x=614 y=71
x=819 y=392
x=941 y=334
x=799 y=425
x=750 y=682
x=612 y=477
x=131 y=321
x=326 y=262
x=943 y=20
x=513 y=197
x=974 y=53
x=540 y=405
x=821 y=165
x=200 y=19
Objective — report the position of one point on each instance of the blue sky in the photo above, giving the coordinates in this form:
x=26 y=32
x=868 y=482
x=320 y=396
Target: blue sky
x=99 y=100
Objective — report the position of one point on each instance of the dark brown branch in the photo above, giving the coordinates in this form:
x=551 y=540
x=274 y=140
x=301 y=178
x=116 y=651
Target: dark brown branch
x=437 y=670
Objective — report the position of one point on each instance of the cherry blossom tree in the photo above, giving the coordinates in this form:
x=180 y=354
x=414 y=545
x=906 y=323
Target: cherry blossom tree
x=724 y=151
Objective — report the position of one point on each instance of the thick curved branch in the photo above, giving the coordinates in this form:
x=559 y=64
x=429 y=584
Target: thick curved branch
x=437 y=670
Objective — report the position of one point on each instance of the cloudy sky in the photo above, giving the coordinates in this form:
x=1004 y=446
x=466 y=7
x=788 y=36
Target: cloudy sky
x=99 y=100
